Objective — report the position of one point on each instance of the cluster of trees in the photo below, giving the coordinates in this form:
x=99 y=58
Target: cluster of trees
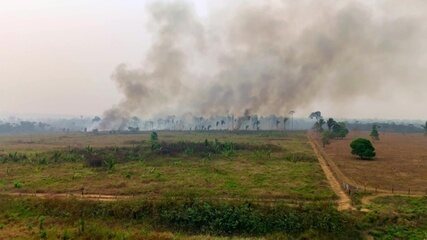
x=386 y=127
x=23 y=127
x=335 y=130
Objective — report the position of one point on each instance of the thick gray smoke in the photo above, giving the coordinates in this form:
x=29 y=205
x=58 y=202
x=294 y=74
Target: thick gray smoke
x=269 y=57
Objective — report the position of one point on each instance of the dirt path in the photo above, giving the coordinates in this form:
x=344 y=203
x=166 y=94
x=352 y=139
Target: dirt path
x=344 y=201
x=113 y=198
x=89 y=197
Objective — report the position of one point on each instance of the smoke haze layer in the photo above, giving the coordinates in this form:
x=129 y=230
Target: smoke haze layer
x=270 y=57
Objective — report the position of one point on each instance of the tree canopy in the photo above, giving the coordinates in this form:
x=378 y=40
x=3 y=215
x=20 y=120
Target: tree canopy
x=363 y=148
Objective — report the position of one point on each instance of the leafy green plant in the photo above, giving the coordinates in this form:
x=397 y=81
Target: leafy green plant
x=110 y=162
x=228 y=149
x=89 y=149
x=17 y=184
x=154 y=139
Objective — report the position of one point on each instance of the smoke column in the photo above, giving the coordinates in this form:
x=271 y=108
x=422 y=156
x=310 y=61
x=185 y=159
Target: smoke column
x=269 y=57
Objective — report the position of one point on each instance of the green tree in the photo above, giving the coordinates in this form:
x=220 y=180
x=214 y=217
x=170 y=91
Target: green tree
x=363 y=148
x=425 y=128
x=330 y=123
x=321 y=123
x=318 y=125
x=154 y=139
x=374 y=132
x=339 y=130
x=326 y=137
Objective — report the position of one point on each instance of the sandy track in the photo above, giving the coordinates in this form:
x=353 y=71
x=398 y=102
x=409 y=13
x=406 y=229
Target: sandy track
x=89 y=197
x=344 y=201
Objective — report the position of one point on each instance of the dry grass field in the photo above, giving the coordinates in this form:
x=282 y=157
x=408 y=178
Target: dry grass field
x=291 y=173
x=401 y=161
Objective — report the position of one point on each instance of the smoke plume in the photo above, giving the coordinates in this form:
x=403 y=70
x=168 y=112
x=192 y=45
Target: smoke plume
x=269 y=57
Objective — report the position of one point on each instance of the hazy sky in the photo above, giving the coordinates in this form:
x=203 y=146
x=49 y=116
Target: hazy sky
x=57 y=57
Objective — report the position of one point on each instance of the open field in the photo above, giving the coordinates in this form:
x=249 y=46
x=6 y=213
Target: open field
x=191 y=185
x=401 y=162
x=289 y=172
x=185 y=186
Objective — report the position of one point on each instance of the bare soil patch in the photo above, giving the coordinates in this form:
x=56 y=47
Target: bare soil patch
x=401 y=162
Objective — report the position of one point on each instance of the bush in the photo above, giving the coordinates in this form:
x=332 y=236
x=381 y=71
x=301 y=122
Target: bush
x=363 y=148
x=216 y=218
x=17 y=184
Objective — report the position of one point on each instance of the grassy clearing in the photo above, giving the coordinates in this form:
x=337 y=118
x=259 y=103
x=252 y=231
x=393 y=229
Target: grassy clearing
x=398 y=218
x=263 y=165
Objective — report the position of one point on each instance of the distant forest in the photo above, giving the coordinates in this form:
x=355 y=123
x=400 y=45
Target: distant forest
x=385 y=127
x=24 y=127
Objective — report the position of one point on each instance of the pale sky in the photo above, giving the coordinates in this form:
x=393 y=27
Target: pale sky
x=57 y=56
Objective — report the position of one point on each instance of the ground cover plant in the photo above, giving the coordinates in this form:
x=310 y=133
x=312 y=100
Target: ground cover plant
x=397 y=217
x=52 y=219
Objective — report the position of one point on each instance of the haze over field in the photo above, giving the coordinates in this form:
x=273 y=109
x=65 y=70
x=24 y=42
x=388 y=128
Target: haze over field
x=355 y=59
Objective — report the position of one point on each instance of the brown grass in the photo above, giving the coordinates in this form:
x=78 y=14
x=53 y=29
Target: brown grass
x=401 y=161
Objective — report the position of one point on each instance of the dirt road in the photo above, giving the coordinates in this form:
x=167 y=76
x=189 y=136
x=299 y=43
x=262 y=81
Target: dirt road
x=344 y=201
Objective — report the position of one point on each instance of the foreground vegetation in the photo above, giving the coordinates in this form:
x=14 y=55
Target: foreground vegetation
x=398 y=218
x=77 y=219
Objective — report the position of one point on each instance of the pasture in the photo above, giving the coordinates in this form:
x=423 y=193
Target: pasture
x=401 y=162
x=258 y=166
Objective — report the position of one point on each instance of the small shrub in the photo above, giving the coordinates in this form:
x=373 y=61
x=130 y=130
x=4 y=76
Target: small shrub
x=17 y=184
x=110 y=162
x=89 y=149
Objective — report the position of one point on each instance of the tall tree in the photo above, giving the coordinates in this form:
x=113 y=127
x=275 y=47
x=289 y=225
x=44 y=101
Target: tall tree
x=285 y=120
x=425 y=128
x=331 y=122
x=374 y=132
x=292 y=119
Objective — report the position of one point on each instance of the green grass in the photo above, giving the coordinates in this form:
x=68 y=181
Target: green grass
x=262 y=166
x=21 y=218
x=398 y=218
